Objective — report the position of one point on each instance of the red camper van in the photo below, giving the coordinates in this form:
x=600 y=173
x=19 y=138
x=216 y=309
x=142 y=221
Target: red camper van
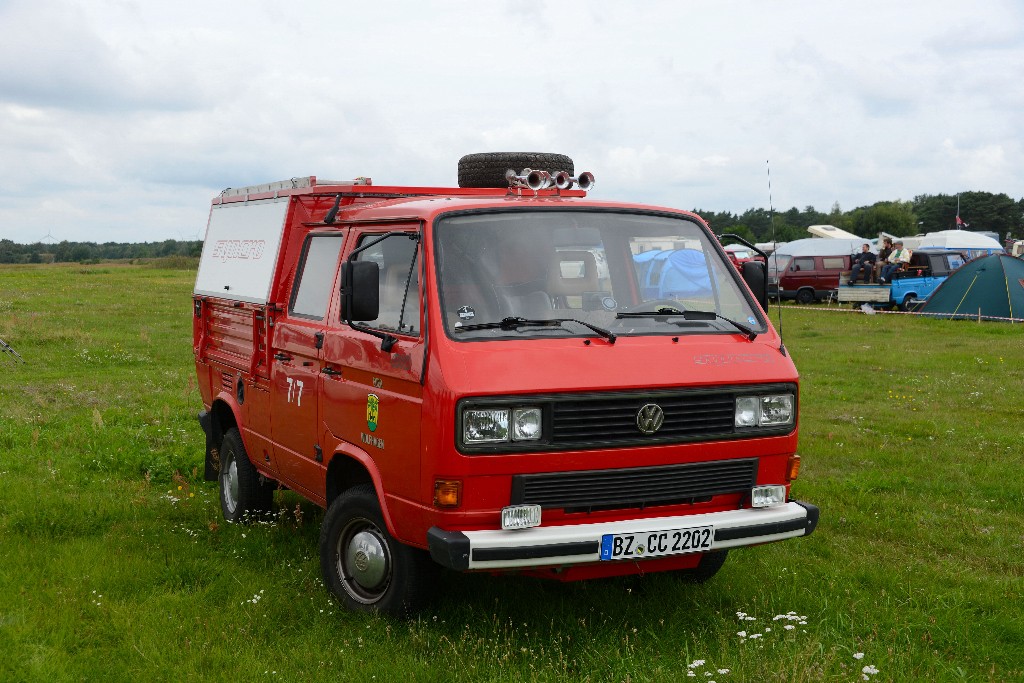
x=473 y=378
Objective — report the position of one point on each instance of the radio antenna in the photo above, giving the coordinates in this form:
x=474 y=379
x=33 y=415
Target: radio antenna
x=775 y=246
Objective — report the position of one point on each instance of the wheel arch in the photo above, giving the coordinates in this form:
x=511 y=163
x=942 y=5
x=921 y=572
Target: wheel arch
x=350 y=467
x=222 y=416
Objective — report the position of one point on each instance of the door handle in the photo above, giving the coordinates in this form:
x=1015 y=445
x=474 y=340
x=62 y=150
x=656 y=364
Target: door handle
x=331 y=372
x=282 y=356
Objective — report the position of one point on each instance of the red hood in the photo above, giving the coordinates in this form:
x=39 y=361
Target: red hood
x=556 y=365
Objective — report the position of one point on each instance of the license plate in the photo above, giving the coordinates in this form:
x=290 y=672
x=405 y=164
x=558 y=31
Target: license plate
x=656 y=543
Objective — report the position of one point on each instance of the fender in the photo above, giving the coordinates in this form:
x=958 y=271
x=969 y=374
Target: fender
x=344 y=449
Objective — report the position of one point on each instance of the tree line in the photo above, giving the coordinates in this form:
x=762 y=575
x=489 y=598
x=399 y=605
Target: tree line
x=79 y=252
x=982 y=211
x=997 y=213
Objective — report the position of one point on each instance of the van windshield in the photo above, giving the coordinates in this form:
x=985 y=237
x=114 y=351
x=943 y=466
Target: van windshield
x=777 y=263
x=629 y=273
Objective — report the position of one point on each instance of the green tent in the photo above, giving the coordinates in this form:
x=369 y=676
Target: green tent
x=988 y=287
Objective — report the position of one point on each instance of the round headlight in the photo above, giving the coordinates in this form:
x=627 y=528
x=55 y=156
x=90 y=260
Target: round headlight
x=746 y=411
x=526 y=424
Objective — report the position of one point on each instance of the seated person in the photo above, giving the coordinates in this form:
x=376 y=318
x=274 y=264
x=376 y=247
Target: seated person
x=883 y=257
x=865 y=261
x=898 y=259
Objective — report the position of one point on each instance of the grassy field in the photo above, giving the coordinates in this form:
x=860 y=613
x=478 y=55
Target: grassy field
x=115 y=564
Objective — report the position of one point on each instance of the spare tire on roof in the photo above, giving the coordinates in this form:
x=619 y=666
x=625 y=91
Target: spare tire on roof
x=488 y=169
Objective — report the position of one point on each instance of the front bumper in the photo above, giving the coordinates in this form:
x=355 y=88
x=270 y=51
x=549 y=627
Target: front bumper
x=581 y=543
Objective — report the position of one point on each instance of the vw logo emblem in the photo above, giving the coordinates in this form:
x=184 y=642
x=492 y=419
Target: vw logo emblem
x=650 y=418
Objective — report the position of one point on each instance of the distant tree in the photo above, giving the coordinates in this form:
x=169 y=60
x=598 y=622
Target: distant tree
x=980 y=210
x=896 y=218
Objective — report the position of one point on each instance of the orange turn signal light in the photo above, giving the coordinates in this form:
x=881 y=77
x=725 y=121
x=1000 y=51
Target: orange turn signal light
x=793 y=468
x=447 y=493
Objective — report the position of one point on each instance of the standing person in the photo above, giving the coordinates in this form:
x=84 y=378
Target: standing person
x=865 y=261
x=897 y=258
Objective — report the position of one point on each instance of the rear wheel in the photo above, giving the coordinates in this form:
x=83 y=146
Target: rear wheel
x=709 y=565
x=243 y=492
x=805 y=296
x=363 y=565
x=906 y=304
x=488 y=169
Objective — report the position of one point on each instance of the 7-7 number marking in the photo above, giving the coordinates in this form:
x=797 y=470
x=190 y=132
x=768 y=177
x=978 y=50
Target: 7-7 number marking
x=295 y=390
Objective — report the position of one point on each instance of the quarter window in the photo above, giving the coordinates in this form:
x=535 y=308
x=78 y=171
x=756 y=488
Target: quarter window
x=316 y=278
x=832 y=263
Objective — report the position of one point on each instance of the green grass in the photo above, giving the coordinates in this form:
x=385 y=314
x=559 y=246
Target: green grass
x=115 y=564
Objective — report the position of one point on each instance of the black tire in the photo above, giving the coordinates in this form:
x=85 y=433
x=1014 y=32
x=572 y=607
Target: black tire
x=244 y=494
x=906 y=305
x=488 y=169
x=364 y=566
x=709 y=565
x=805 y=296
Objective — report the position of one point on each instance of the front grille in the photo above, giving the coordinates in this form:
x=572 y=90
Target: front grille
x=635 y=487
x=592 y=420
x=611 y=419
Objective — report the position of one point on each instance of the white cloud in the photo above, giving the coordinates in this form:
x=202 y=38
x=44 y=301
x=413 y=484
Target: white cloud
x=120 y=120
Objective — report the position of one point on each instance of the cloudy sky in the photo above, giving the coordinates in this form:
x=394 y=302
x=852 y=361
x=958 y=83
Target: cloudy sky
x=120 y=120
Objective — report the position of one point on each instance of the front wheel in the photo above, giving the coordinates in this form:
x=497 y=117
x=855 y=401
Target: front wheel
x=363 y=565
x=805 y=296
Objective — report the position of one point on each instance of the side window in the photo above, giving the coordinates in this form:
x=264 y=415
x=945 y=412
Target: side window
x=397 y=258
x=315 y=280
x=833 y=263
x=803 y=264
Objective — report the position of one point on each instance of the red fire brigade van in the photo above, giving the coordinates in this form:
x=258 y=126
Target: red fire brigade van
x=475 y=378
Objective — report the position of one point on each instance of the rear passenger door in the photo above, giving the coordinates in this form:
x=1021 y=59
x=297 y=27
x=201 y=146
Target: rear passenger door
x=828 y=275
x=296 y=362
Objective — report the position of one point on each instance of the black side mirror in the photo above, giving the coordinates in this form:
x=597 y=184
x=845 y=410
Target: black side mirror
x=360 y=291
x=754 y=275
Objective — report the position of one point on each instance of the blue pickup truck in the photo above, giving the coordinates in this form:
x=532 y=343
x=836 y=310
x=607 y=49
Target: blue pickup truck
x=926 y=271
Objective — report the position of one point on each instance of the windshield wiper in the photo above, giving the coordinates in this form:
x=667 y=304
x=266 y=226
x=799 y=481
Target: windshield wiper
x=666 y=311
x=749 y=333
x=513 y=322
x=663 y=311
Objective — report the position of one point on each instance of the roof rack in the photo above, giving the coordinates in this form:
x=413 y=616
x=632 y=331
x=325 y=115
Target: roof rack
x=290 y=184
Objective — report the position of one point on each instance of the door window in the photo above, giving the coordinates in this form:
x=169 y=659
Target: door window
x=315 y=281
x=803 y=264
x=399 y=283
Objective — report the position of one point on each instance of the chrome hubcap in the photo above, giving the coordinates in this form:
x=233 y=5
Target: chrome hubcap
x=366 y=559
x=364 y=562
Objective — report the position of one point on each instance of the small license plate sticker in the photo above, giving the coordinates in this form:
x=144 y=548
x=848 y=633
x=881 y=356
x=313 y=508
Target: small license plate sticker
x=657 y=543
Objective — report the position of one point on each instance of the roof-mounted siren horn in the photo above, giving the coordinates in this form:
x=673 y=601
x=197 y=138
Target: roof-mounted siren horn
x=535 y=180
x=564 y=181
x=539 y=180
